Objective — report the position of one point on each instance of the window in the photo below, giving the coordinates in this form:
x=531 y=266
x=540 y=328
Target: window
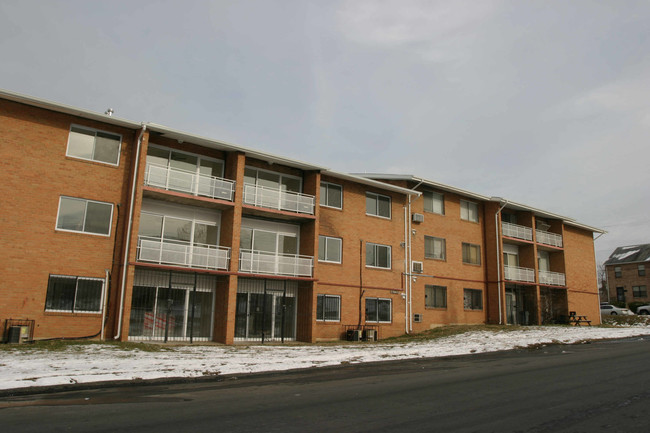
x=87 y=216
x=639 y=291
x=641 y=270
x=473 y=299
x=328 y=308
x=378 y=310
x=329 y=249
x=468 y=211
x=378 y=205
x=74 y=294
x=471 y=254
x=331 y=195
x=433 y=202
x=435 y=296
x=434 y=248
x=377 y=256
x=93 y=145
x=617 y=272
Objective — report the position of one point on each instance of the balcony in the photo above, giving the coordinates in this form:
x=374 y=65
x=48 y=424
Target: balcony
x=516 y=231
x=514 y=273
x=552 y=278
x=173 y=179
x=273 y=198
x=261 y=262
x=180 y=253
x=548 y=238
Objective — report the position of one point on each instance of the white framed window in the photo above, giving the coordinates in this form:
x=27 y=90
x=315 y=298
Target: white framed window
x=471 y=254
x=468 y=211
x=378 y=310
x=328 y=308
x=331 y=195
x=378 y=256
x=85 y=216
x=329 y=249
x=377 y=205
x=618 y=273
x=94 y=145
x=641 y=270
x=74 y=294
x=271 y=179
x=473 y=299
x=435 y=296
x=434 y=248
x=434 y=202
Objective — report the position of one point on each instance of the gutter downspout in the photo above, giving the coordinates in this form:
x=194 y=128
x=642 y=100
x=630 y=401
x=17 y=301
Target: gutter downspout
x=406 y=273
x=496 y=228
x=106 y=285
x=127 y=245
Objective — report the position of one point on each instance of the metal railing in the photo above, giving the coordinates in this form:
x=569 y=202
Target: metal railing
x=514 y=273
x=189 y=182
x=552 y=278
x=181 y=253
x=276 y=199
x=261 y=262
x=517 y=231
x=548 y=238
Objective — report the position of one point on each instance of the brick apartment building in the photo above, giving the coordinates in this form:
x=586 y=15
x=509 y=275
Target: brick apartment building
x=120 y=230
x=627 y=279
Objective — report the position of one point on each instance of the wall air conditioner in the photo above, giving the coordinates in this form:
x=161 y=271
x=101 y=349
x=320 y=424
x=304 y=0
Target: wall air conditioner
x=418 y=218
x=417 y=318
x=417 y=267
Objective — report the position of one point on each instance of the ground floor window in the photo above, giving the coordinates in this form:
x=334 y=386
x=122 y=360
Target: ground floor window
x=435 y=296
x=266 y=310
x=173 y=305
x=378 y=310
x=328 y=308
x=473 y=299
x=74 y=294
x=639 y=291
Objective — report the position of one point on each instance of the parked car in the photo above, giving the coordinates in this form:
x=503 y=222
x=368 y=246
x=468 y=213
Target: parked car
x=608 y=309
x=643 y=309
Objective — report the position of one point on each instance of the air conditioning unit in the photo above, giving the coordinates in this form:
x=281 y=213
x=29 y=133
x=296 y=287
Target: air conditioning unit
x=354 y=335
x=369 y=335
x=418 y=218
x=416 y=267
x=417 y=318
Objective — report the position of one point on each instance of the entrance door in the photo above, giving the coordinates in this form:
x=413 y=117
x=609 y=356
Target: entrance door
x=265 y=313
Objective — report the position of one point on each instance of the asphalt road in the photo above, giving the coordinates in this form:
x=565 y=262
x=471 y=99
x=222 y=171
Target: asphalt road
x=595 y=387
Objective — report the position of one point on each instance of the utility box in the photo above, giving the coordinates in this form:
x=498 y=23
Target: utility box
x=18 y=334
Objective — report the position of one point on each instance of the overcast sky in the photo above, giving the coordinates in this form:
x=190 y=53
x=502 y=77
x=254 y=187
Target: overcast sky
x=541 y=102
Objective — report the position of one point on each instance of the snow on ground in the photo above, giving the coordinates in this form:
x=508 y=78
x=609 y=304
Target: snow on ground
x=21 y=368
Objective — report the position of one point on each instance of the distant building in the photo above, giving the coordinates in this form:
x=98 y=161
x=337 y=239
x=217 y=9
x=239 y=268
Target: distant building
x=628 y=274
x=123 y=230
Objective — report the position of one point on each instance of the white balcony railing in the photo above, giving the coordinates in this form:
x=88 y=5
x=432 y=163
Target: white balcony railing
x=261 y=262
x=517 y=231
x=548 y=238
x=189 y=182
x=276 y=199
x=552 y=278
x=514 y=273
x=180 y=253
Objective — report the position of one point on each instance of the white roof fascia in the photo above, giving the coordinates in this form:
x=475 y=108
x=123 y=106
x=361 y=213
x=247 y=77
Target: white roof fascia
x=67 y=109
x=371 y=182
x=426 y=182
x=229 y=147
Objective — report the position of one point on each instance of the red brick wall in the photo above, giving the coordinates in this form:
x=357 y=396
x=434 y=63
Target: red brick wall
x=580 y=263
x=36 y=172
